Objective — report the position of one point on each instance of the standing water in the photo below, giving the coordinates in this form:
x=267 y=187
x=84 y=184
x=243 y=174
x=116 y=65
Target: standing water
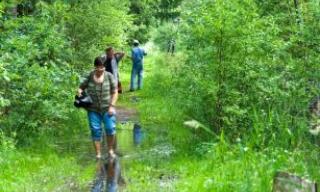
x=108 y=169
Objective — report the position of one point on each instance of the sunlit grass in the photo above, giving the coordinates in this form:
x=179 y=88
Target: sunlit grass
x=22 y=171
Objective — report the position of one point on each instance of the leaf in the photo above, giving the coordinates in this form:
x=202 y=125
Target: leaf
x=196 y=125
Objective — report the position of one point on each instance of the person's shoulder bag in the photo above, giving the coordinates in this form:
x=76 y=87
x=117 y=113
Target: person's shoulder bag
x=84 y=100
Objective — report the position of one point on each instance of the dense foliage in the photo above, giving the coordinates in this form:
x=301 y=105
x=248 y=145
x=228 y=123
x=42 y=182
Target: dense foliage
x=151 y=13
x=251 y=68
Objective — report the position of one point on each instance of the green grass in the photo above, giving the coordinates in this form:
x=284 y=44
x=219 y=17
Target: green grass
x=51 y=163
x=48 y=171
x=221 y=168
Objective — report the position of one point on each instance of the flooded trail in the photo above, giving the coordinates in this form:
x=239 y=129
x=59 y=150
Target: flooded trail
x=108 y=169
x=134 y=143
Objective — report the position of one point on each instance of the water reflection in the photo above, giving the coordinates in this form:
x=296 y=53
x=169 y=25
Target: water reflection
x=137 y=134
x=107 y=175
x=99 y=181
x=108 y=172
x=113 y=174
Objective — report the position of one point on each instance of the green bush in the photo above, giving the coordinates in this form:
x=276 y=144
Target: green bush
x=163 y=34
x=247 y=74
x=94 y=25
x=43 y=49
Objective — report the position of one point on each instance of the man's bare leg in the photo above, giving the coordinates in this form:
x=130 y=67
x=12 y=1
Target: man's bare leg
x=97 y=147
x=110 y=143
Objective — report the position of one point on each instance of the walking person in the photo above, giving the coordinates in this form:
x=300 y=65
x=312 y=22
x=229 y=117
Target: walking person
x=137 y=55
x=111 y=61
x=100 y=85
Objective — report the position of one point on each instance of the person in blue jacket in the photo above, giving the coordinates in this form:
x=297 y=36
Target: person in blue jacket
x=137 y=55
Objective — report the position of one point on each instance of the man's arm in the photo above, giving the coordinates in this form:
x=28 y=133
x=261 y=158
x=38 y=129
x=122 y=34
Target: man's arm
x=114 y=95
x=112 y=104
x=119 y=55
x=114 y=98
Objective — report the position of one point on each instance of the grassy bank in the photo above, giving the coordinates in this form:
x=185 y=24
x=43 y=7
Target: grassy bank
x=45 y=171
x=52 y=162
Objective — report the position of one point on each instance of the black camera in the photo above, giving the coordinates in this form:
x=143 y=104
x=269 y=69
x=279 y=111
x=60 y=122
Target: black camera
x=83 y=101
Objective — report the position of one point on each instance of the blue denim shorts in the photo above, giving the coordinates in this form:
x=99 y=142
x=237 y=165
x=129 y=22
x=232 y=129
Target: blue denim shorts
x=95 y=122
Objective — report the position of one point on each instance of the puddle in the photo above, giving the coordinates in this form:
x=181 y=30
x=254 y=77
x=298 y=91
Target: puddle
x=129 y=139
x=108 y=177
x=127 y=115
x=133 y=143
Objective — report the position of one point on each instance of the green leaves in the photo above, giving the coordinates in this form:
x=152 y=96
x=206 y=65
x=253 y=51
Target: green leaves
x=95 y=25
x=244 y=64
x=1 y=9
x=35 y=60
x=42 y=45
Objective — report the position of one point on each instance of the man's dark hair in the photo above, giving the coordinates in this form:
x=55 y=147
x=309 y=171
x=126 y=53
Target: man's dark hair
x=98 y=62
x=109 y=48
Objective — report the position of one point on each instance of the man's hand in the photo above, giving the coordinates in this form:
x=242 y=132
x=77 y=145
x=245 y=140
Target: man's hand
x=120 y=54
x=79 y=92
x=111 y=110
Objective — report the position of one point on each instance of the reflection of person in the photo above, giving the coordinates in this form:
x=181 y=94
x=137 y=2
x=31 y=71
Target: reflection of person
x=101 y=87
x=137 y=55
x=109 y=171
x=137 y=134
x=111 y=61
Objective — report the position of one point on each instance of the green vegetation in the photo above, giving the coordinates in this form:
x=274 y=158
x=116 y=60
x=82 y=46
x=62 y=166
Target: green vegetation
x=242 y=79
x=200 y=162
